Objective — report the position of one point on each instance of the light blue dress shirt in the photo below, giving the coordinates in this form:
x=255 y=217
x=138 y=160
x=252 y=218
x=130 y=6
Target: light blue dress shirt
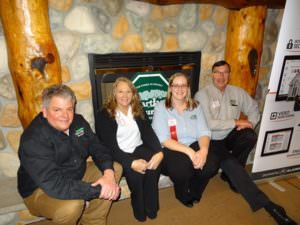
x=190 y=125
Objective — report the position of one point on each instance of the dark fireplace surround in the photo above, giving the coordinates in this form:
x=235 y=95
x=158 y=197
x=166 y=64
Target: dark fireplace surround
x=106 y=68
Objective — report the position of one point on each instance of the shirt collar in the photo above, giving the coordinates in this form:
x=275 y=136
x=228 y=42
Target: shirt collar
x=121 y=114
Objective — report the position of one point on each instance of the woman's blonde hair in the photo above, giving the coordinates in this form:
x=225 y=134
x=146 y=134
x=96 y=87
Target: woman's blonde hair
x=111 y=103
x=191 y=103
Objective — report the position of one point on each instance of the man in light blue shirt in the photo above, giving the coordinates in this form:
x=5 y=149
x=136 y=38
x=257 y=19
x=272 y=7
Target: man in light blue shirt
x=222 y=105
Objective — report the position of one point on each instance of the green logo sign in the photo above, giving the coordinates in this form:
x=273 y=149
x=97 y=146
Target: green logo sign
x=152 y=88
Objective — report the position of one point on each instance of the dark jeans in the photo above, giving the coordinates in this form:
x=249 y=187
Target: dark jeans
x=239 y=177
x=240 y=143
x=143 y=187
x=189 y=183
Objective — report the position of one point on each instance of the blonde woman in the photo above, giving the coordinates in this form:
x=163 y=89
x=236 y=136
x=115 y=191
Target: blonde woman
x=124 y=129
x=182 y=130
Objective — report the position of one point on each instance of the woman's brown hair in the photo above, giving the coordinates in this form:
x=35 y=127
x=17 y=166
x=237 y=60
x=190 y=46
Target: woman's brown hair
x=191 y=103
x=111 y=103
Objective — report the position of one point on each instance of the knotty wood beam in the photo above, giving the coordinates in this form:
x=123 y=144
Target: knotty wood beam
x=245 y=32
x=32 y=55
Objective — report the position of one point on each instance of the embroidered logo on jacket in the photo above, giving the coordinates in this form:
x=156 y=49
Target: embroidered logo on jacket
x=79 y=132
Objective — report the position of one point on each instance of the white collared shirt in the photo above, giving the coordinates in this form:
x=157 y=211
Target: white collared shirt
x=128 y=134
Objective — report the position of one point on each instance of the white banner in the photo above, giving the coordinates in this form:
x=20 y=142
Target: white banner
x=278 y=145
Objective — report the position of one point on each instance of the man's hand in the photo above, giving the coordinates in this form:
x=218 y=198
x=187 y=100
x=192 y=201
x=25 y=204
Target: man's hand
x=139 y=165
x=200 y=158
x=110 y=190
x=242 y=124
x=155 y=161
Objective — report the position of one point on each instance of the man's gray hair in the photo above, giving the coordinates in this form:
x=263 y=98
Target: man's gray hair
x=59 y=90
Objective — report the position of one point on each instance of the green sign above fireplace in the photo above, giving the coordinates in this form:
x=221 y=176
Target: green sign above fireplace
x=152 y=88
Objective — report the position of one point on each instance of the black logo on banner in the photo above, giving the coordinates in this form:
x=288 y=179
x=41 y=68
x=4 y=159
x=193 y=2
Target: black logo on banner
x=283 y=115
x=290 y=44
x=273 y=116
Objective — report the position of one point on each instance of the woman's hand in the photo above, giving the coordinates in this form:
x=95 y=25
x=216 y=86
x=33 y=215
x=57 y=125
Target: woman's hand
x=200 y=158
x=139 y=165
x=155 y=161
x=190 y=153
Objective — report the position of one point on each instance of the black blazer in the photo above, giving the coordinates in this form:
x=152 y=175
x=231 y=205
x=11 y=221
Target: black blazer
x=106 y=129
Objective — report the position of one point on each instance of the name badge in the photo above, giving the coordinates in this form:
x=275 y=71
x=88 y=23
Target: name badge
x=172 y=126
x=172 y=122
x=233 y=102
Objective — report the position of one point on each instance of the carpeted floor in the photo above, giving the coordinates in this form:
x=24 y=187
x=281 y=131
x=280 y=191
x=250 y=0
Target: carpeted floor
x=219 y=206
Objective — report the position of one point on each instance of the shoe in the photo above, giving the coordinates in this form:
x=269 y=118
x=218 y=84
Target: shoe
x=225 y=178
x=279 y=214
x=196 y=200
x=188 y=204
x=152 y=215
x=140 y=218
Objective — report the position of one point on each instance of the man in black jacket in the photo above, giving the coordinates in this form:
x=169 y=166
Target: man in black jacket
x=54 y=177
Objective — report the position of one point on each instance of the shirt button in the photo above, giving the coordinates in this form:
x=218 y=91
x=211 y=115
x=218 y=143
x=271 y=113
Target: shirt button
x=75 y=161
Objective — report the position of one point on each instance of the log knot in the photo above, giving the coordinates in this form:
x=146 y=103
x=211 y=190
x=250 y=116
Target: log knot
x=39 y=63
x=253 y=60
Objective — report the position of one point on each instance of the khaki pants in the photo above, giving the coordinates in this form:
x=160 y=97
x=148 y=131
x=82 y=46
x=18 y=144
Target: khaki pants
x=72 y=212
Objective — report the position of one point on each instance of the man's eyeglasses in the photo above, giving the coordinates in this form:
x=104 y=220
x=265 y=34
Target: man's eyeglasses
x=177 y=86
x=221 y=73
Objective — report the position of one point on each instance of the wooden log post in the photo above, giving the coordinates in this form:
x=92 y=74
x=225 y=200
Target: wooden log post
x=245 y=32
x=32 y=55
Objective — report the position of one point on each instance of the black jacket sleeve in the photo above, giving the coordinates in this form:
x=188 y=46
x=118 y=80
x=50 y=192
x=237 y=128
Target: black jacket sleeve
x=106 y=129
x=148 y=135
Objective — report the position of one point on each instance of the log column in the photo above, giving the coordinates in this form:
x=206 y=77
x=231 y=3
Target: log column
x=32 y=55
x=244 y=44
